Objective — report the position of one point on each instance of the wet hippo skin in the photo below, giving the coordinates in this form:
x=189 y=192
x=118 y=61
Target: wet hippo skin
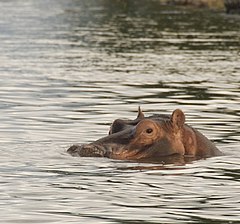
x=150 y=138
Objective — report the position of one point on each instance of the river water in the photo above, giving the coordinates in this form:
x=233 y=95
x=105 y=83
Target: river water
x=69 y=68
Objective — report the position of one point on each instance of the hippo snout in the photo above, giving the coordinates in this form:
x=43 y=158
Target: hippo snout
x=87 y=150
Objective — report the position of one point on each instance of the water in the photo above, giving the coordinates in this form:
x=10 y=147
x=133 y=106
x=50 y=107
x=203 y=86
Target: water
x=69 y=68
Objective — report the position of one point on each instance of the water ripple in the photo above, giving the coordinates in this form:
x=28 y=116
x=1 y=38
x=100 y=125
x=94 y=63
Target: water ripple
x=69 y=68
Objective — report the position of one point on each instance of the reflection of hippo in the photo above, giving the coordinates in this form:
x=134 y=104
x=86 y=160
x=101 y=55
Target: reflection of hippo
x=147 y=138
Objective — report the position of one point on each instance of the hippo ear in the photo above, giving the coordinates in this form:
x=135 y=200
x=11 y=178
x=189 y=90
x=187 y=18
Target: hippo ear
x=140 y=113
x=178 y=118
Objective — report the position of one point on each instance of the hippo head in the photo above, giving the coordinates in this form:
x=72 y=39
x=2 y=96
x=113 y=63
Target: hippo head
x=156 y=136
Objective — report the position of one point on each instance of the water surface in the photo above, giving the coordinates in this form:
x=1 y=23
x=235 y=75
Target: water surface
x=69 y=68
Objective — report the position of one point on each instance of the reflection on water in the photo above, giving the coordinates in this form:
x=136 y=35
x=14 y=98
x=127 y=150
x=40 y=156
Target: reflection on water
x=69 y=68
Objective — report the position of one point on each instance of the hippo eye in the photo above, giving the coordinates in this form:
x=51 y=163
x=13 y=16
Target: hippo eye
x=149 y=130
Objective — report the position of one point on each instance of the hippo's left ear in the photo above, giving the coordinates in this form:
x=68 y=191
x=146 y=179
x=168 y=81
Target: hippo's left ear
x=178 y=118
x=140 y=113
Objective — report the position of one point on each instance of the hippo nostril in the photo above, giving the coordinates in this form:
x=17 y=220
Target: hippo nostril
x=91 y=150
x=74 y=150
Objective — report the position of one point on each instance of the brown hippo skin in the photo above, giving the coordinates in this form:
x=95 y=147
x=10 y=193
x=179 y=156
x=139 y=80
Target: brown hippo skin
x=147 y=138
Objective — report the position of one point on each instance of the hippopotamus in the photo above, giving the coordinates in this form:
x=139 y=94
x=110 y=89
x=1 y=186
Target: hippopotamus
x=149 y=138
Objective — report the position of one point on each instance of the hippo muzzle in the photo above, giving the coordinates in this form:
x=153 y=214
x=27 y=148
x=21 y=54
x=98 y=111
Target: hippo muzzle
x=88 y=150
x=112 y=151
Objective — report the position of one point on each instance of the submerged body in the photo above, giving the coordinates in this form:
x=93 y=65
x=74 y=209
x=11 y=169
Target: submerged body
x=149 y=138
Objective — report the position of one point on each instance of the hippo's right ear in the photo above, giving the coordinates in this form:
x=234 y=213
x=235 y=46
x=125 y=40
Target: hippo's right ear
x=178 y=118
